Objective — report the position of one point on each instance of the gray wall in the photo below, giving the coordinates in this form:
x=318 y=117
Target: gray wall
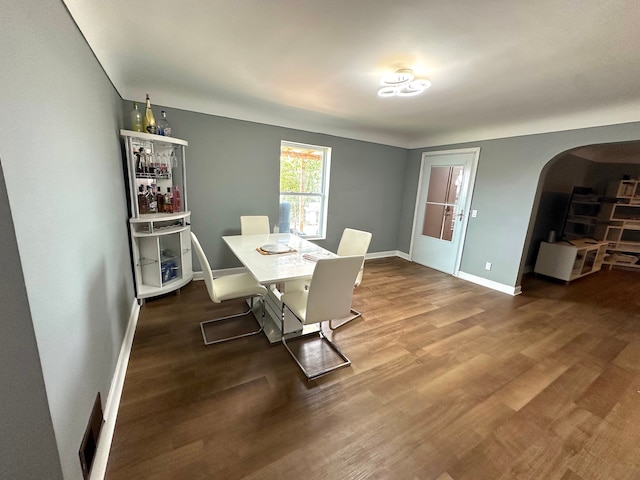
x=506 y=194
x=61 y=157
x=601 y=174
x=566 y=171
x=558 y=179
x=25 y=421
x=233 y=169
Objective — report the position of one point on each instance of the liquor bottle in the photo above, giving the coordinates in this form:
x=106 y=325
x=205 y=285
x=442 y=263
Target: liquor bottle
x=142 y=200
x=163 y=125
x=168 y=201
x=151 y=200
x=177 y=207
x=160 y=201
x=136 y=118
x=149 y=121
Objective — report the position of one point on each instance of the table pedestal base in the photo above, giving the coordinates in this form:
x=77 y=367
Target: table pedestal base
x=273 y=311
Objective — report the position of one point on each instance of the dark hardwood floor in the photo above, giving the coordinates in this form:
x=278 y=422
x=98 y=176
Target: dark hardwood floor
x=449 y=380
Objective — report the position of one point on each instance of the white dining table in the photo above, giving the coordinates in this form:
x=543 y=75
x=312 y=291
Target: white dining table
x=279 y=272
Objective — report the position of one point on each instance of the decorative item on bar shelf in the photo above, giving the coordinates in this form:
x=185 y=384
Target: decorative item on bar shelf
x=160 y=201
x=164 y=128
x=142 y=200
x=152 y=204
x=136 y=118
x=149 y=121
x=168 y=201
x=176 y=201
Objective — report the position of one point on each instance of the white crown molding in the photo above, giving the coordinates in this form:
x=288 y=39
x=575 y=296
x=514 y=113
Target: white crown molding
x=611 y=115
x=627 y=113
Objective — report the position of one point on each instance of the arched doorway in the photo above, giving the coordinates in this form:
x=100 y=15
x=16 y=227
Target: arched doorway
x=593 y=166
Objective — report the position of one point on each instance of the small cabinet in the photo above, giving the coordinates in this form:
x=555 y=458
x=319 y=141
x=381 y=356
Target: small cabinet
x=571 y=259
x=160 y=220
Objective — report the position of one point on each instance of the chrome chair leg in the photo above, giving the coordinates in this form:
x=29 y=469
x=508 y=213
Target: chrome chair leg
x=354 y=314
x=313 y=375
x=225 y=339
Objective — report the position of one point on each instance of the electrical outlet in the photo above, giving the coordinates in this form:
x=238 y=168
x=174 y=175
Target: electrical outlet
x=487 y=266
x=474 y=213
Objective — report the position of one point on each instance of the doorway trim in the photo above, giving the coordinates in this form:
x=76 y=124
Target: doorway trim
x=466 y=202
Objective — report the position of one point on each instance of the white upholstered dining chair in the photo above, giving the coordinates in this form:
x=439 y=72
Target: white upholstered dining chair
x=254 y=224
x=353 y=242
x=228 y=287
x=329 y=296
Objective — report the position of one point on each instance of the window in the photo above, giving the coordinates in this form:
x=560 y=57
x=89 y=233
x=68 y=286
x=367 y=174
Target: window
x=304 y=189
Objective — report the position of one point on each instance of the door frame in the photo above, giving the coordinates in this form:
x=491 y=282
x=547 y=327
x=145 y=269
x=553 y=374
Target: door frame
x=466 y=203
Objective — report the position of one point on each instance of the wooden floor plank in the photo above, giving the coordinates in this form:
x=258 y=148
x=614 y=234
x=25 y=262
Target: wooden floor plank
x=527 y=386
x=604 y=393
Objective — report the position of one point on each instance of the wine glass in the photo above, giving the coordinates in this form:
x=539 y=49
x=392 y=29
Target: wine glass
x=164 y=159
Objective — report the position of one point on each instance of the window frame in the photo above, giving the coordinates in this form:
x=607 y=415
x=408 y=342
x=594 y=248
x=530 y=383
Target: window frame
x=323 y=196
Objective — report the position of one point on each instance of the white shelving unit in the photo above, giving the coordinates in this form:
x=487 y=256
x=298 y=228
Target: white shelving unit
x=570 y=260
x=621 y=224
x=627 y=191
x=583 y=214
x=160 y=241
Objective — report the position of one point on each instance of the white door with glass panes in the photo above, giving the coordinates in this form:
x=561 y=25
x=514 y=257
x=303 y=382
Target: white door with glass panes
x=442 y=207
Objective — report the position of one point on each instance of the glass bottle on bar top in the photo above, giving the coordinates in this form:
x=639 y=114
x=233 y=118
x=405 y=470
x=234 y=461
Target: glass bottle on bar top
x=142 y=200
x=160 y=201
x=168 y=201
x=151 y=201
x=164 y=128
x=176 y=201
x=149 y=121
x=136 y=118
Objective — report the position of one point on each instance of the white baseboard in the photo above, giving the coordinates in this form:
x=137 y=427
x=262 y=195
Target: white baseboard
x=112 y=404
x=404 y=256
x=462 y=275
x=390 y=253
x=490 y=284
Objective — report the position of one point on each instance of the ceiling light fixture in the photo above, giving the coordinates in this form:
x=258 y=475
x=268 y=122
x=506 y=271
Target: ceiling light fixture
x=402 y=83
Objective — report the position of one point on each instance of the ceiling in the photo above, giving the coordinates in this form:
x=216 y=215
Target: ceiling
x=499 y=68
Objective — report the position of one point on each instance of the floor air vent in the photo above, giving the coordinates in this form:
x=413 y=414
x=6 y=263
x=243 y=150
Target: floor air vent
x=89 y=443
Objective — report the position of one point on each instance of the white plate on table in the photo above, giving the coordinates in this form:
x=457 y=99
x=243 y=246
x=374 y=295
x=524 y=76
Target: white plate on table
x=275 y=248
